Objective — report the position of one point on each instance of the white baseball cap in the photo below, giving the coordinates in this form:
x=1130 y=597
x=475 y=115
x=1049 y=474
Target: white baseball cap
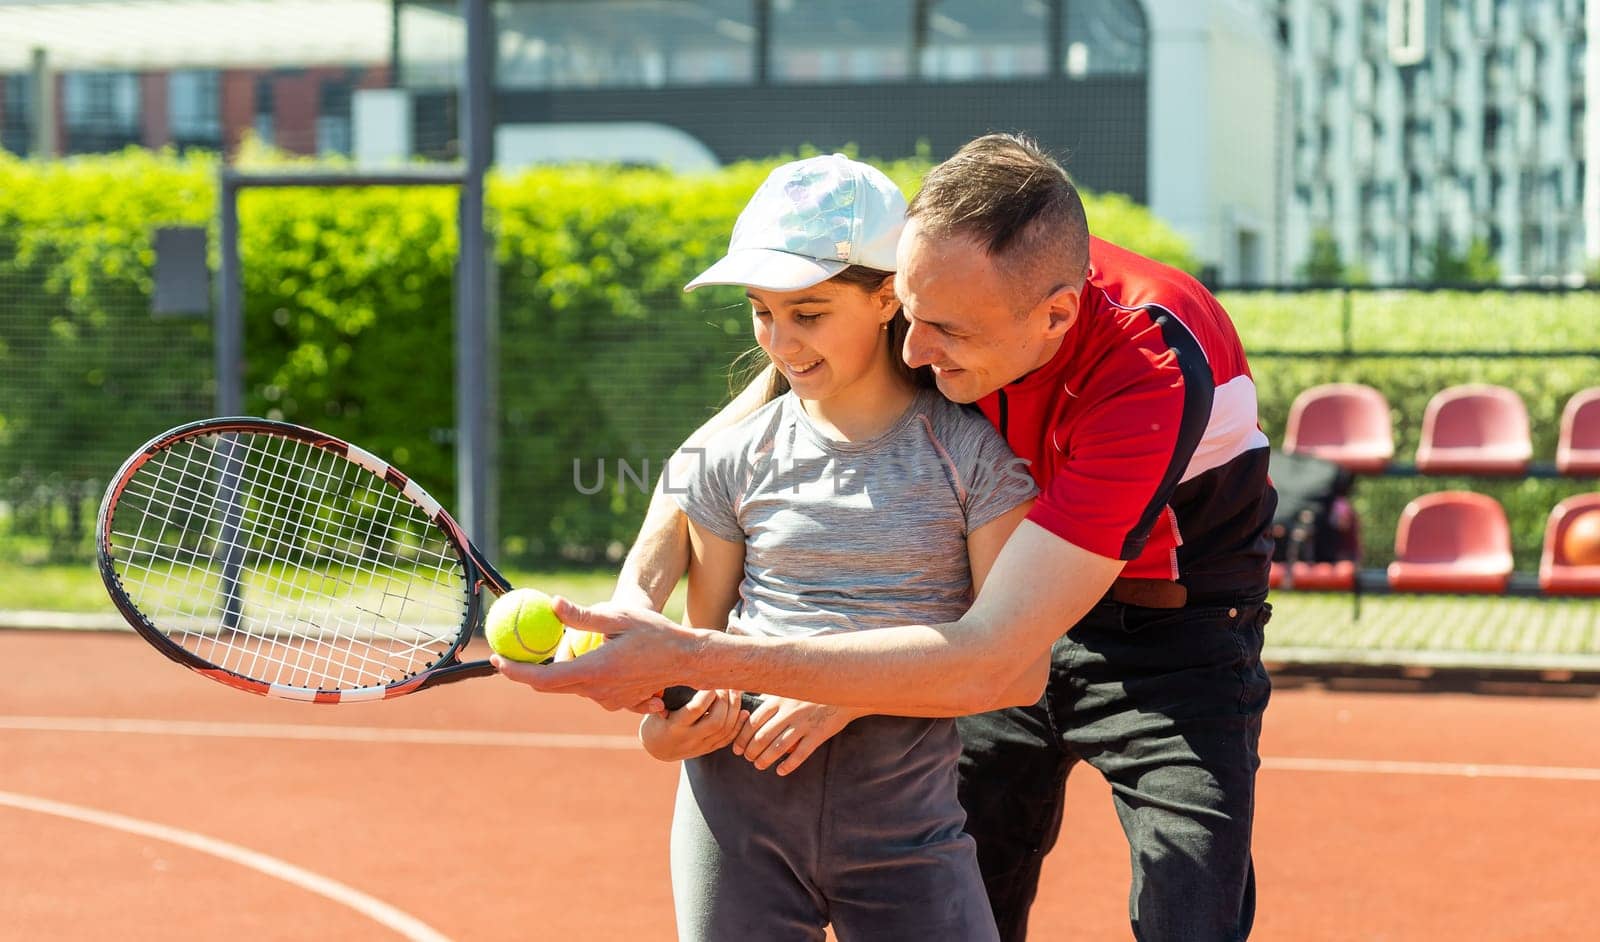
x=809 y=221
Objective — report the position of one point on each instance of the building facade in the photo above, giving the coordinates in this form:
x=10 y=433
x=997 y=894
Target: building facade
x=1175 y=103
x=1421 y=123
x=299 y=110
x=1178 y=104
x=197 y=73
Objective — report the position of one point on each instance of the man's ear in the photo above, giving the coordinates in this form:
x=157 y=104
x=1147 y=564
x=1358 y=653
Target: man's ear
x=1062 y=310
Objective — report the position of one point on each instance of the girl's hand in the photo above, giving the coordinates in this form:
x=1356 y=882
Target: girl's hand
x=790 y=730
x=710 y=720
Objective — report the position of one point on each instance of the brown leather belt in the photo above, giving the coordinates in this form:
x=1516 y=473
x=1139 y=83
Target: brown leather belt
x=1148 y=593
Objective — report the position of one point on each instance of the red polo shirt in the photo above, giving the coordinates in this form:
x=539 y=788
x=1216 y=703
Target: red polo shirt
x=1142 y=432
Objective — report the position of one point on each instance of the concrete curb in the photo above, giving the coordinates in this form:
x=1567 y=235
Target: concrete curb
x=1435 y=660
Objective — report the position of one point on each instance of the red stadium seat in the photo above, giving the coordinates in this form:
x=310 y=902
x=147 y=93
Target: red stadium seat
x=1338 y=576
x=1346 y=423
x=1570 y=563
x=1578 y=450
x=1452 y=541
x=1475 y=429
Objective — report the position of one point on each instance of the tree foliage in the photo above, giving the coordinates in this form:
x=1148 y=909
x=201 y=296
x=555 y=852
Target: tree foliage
x=1323 y=264
x=1476 y=265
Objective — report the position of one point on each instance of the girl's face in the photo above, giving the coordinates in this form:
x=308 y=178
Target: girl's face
x=828 y=338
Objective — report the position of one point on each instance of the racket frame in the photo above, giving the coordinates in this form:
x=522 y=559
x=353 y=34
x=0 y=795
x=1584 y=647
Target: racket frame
x=479 y=573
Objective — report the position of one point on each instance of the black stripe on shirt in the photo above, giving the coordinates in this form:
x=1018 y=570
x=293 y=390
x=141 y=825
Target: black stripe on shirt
x=1198 y=391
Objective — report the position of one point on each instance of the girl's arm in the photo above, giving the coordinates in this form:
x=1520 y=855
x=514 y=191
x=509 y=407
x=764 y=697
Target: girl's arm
x=716 y=569
x=983 y=546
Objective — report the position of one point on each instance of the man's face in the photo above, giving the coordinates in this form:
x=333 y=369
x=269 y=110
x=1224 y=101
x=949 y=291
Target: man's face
x=967 y=322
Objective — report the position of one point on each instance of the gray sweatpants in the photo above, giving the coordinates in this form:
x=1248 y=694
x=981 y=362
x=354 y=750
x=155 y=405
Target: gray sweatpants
x=866 y=835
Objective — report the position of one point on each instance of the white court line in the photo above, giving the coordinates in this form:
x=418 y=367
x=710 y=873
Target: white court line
x=438 y=737
x=452 y=737
x=1456 y=769
x=378 y=911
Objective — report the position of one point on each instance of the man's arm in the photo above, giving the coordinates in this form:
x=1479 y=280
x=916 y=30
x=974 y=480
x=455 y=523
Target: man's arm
x=1039 y=585
x=660 y=554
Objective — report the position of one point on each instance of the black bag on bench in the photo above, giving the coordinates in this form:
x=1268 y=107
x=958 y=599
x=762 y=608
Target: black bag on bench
x=1314 y=522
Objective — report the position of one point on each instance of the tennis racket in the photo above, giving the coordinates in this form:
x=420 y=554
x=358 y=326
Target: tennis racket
x=285 y=562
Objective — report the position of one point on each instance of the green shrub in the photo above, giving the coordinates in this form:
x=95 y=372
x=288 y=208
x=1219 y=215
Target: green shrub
x=78 y=388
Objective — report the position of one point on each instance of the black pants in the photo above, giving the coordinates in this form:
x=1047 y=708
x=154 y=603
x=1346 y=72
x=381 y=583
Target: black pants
x=1167 y=706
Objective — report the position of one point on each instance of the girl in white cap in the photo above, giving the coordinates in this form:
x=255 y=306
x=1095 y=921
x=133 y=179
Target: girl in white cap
x=856 y=498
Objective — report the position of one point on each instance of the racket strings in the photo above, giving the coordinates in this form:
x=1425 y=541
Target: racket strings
x=286 y=563
x=302 y=659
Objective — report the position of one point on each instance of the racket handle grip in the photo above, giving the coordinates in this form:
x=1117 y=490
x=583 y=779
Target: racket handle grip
x=676 y=697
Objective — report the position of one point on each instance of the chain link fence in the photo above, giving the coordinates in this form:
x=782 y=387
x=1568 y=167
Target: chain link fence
x=87 y=374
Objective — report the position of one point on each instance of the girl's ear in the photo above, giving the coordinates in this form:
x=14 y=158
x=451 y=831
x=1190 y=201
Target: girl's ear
x=884 y=297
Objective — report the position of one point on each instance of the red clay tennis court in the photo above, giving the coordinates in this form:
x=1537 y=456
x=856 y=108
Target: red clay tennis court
x=139 y=801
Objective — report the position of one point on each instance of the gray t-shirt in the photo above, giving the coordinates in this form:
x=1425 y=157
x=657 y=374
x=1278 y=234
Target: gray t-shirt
x=843 y=536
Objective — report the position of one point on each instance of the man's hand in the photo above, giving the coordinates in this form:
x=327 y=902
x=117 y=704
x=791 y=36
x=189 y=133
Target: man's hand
x=791 y=730
x=644 y=654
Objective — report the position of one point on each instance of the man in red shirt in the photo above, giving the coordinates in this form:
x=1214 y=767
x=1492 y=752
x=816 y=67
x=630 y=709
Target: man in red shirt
x=1143 y=566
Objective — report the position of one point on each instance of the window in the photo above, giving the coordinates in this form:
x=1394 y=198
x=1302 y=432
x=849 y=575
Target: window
x=1105 y=37
x=194 y=111
x=622 y=43
x=1491 y=130
x=432 y=41
x=840 y=40
x=16 y=113
x=266 y=108
x=100 y=110
x=333 y=116
x=979 y=39
x=1249 y=249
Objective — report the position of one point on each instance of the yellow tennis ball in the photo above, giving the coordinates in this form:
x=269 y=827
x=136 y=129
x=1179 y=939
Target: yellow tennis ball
x=522 y=626
x=585 y=641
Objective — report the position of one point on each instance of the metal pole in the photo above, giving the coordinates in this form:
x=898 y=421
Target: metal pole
x=1346 y=320
x=232 y=459
x=475 y=419
x=763 y=50
x=228 y=337
x=394 y=43
x=44 y=106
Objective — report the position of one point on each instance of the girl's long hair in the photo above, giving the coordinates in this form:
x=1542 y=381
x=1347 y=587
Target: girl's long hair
x=748 y=365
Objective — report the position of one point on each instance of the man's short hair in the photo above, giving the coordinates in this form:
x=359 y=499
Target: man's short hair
x=1005 y=193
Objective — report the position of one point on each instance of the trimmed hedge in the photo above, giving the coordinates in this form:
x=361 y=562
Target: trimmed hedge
x=604 y=364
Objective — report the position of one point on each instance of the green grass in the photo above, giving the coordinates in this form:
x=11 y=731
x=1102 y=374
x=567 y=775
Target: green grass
x=52 y=588
x=1301 y=621
x=1412 y=320
x=1436 y=624
x=76 y=588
